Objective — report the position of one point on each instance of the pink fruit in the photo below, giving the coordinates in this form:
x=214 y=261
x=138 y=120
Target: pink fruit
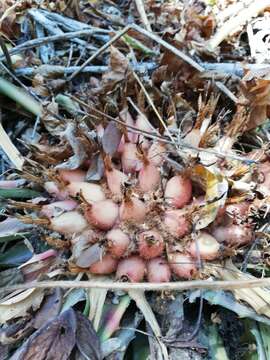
x=58 y=207
x=69 y=223
x=72 y=175
x=207 y=245
x=117 y=242
x=150 y=244
x=115 y=180
x=53 y=189
x=156 y=154
x=234 y=235
x=149 y=177
x=102 y=214
x=132 y=209
x=106 y=265
x=158 y=270
x=176 y=223
x=182 y=265
x=178 y=191
x=131 y=269
x=90 y=192
x=129 y=158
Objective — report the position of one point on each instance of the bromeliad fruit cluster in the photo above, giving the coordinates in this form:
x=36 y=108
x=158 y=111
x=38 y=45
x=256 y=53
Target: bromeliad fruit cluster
x=146 y=219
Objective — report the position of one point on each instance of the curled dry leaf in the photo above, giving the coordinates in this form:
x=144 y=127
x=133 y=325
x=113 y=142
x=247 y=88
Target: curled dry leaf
x=96 y=169
x=111 y=138
x=256 y=88
x=117 y=71
x=89 y=256
x=55 y=340
x=49 y=309
x=52 y=124
x=87 y=340
x=79 y=153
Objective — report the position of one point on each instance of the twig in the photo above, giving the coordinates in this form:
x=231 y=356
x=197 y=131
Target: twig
x=232 y=10
x=160 y=41
x=46 y=51
x=10 y=149
x=168 y=46
x=53 y=28
x=234 y=68
x=235 y=22
x=150 y=101
x=48 y=70
x=6 y=53
x=47 y=39
x=99 y=51
x=178 y=285
x=142 y=13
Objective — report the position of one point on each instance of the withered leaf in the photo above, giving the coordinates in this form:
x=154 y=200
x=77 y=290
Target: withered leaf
x=55 y=340
x=111 y=138
x=16 y=331
x=96 y=169
x=87 y=340
x=11 y=277
x=51 y=122
x=11 y=226
x=77 y=146
x=89 y=256
x=49 y=309
x=118 y=61
x=17 y=305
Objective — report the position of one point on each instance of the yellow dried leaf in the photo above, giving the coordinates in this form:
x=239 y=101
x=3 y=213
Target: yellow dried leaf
x=216 y=187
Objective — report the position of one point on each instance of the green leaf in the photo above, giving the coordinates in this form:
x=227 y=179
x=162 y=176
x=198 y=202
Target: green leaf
x=13 y=237
x=216 y=347
x=265 y=334
x=137 y=45
x=20 y=96
x=18 y=193
x=68 y=104
x=15 y=256
x=114 y=317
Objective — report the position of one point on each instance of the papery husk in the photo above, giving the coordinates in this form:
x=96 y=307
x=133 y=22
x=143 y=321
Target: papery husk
x=257 y=298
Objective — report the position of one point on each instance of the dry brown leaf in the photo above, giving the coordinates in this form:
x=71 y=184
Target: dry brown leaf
x=19 y=304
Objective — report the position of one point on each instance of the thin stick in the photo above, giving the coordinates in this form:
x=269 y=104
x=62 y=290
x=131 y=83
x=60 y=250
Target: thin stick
x=235 y=22
x=99 y=51
x=50 y=70
x=142 y=13
x=6 y=53
x=169 y=286
x=168 y=46
x=184 y=57
x=150 y=101
x=10 y=149
x=54 y=38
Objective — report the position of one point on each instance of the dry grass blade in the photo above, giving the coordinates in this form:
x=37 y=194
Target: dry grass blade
x=20 y=96
x=141 y=11
x=97 y=299
x=10 y=149
x=233 y=23
x=257 y=298
x=139 y=297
